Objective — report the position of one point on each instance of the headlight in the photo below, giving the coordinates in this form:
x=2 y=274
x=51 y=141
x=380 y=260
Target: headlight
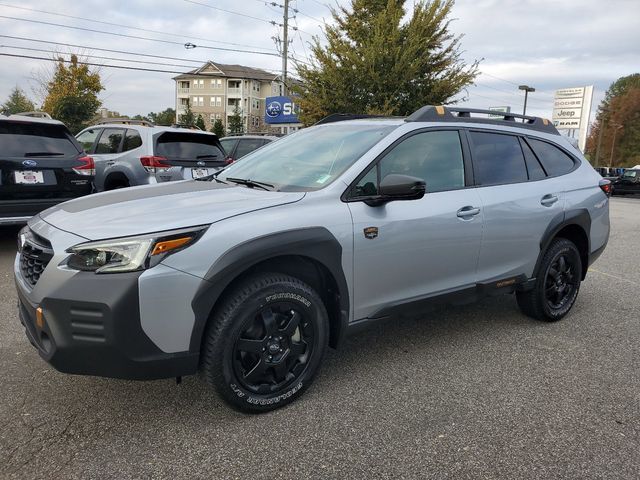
x=130 y=254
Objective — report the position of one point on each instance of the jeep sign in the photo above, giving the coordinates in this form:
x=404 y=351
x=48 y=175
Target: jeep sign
x=571 y=110
x=280 y=110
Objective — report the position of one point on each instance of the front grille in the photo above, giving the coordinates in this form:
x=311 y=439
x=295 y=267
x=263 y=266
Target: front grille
x=35 y=256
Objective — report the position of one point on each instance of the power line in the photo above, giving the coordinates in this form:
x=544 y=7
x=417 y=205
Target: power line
x=170 y=42
x=231 y=12
x=124 y=52
x=129 y=26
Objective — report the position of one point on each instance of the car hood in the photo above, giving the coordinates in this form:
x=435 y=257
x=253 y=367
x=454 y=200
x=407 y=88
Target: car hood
x=155 y=208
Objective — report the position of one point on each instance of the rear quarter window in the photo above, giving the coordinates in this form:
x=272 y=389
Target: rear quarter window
x=553 y=159
x=24 y=139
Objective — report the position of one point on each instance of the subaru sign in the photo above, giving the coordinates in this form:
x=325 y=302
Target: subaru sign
x=280 y=110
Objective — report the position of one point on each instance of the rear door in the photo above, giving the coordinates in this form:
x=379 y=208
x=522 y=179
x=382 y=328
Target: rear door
x=519 y=199
x=189 y=154
x=36 y=167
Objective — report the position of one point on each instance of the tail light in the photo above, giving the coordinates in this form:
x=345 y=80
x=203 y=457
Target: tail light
x=154 y=164
x=88 y=166
x=228 y=161
x=606 y=187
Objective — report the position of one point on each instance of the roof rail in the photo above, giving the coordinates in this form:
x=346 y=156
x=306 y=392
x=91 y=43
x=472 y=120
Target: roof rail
x=186 y=127
x=125 y=121
x=341 y=117
x=439 y=113
x=34 y=114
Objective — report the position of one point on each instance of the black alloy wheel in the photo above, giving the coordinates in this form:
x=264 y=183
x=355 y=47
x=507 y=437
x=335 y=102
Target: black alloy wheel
x=560 y=281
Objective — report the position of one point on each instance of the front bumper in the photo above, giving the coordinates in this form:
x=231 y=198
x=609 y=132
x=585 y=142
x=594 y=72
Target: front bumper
x=100 y=334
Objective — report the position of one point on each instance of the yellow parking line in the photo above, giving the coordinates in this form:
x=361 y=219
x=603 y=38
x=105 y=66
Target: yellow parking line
x=614 y=276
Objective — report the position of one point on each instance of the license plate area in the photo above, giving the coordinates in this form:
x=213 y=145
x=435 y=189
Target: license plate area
x=28 y=177
x=199 y=172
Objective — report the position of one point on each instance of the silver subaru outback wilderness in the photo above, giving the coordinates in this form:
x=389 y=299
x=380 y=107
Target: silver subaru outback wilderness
x=249 y=274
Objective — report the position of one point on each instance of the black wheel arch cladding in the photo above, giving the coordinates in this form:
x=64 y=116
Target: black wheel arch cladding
x=314 y=243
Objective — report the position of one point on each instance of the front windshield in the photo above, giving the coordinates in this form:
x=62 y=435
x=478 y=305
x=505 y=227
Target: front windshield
x=630 y=173
x=309 y=159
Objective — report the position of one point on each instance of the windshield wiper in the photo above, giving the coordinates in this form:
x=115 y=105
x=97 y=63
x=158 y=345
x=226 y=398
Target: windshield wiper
x=250 y=183
x=43 y=154
x=212 y=155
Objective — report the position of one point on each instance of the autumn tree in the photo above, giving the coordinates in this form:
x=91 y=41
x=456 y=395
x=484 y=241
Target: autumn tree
x=72 y=93
x=375 y=61
x=218 y=128
x=17 y=103
x=617 y=125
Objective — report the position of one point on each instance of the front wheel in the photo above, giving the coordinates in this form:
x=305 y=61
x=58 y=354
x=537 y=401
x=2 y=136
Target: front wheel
x=265 y=342
x=557 y=283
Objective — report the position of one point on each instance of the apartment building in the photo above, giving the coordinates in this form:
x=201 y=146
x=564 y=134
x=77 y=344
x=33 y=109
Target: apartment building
x=215 y=90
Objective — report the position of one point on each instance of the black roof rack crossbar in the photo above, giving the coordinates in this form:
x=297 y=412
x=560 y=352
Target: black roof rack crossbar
x=341 y=117
x=439 y=113
x=124 y=121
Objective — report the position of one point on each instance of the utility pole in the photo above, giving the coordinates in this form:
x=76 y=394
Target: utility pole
x=603 y=122
x=285 y=46
x=616 y=127
x=526 y=89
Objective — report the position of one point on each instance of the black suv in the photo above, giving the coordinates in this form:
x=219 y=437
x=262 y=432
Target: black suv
x=627 y=183
x=41 y=165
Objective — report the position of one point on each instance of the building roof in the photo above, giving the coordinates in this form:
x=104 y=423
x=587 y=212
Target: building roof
x=211 y=69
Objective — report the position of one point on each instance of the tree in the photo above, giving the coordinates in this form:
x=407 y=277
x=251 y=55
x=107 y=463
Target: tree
x=17 y=103
x=188 y=118
x=376 y=63
x=72 y=93
x=166 y=117
x=200 y=123
x=618 y=119
x=236 y=124
x=218 y=128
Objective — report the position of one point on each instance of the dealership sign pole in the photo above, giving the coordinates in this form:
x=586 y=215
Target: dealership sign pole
x=571 y=111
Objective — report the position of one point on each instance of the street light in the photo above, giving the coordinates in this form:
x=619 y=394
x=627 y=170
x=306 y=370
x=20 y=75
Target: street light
x=526 y=89
x=616 y=127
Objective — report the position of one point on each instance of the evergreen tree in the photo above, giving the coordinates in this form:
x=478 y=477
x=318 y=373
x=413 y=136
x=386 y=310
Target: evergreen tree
x=72 y=93
x=188 y=118
x=17 y=103
x=218 y=128
x=236 y=123
x=374 y=62
x=200 y=123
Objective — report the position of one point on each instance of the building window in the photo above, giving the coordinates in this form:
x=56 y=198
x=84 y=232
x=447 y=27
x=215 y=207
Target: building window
x=197 y=102
x=198 y=84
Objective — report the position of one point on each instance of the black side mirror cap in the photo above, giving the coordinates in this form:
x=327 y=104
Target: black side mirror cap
x=398 y=187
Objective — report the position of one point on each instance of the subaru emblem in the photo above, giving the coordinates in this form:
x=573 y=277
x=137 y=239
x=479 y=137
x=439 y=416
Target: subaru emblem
x=201 y=163
x=29 y=163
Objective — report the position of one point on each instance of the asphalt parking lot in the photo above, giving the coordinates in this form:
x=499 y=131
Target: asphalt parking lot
x=477 y=391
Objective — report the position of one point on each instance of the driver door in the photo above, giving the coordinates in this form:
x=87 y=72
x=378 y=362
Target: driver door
x=406 y=251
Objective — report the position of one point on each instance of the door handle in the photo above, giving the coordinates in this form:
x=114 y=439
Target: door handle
x=548 y=200
x=466 y=212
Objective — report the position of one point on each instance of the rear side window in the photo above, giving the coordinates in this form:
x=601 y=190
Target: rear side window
x=554 y=160
x=33 y=140
x=536 y=172
x=131 y=140
x=497 y=159
x=248 y=145
x=228 y=144
x=110 y=140
x=187 y=146
x=88 y=138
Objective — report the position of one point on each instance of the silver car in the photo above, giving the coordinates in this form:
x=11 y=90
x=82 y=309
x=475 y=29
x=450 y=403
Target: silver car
x=249 y=275
x=129 y=153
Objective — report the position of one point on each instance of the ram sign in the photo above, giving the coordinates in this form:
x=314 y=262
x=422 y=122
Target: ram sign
x=280 y=110
x=571 y=110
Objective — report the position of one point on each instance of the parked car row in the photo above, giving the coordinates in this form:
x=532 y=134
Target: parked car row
x=42 y=164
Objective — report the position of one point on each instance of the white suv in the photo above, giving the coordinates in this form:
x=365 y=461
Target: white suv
x=130 y=152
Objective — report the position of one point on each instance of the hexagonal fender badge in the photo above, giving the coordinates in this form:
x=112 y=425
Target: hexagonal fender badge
x=371 y=232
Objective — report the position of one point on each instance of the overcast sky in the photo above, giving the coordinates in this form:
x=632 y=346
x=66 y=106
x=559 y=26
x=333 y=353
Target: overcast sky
x=545 y=44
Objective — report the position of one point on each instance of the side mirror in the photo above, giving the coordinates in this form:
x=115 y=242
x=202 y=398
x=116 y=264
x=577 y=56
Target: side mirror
x=398 y=187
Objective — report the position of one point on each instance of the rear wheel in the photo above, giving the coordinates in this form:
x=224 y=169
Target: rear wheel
x=557 y=283
x=266 y=342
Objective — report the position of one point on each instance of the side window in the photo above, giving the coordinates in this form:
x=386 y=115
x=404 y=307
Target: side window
x=247 y=146
x=88 y=138
x=435 y=157
x=497 y=159
x=554 y=160
x=536 y=172
x=367 y=185
x=110 y=140
x=228 y=144
x=131 y=140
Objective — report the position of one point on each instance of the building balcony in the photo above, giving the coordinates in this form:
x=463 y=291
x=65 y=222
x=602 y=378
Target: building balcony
x=234 y=92
x=183 y=91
